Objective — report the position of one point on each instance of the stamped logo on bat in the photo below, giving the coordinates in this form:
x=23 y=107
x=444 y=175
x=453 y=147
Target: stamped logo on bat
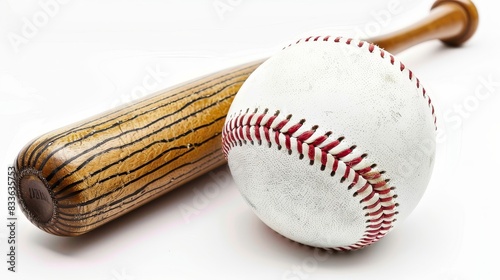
x=37 y=194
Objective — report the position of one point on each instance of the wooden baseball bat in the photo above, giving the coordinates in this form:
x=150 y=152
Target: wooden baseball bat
x=79 y=177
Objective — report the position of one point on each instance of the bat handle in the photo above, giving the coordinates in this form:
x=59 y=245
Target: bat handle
x=451 y=21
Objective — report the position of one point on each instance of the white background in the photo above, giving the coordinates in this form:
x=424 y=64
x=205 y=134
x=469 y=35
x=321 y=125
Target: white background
x=92 y=55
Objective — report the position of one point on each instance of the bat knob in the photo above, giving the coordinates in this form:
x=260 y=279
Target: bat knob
x=34 y=197
x=465 y=13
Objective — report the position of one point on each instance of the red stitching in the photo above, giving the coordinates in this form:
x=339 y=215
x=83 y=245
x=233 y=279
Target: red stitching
x=375 y=195
x=371 y=48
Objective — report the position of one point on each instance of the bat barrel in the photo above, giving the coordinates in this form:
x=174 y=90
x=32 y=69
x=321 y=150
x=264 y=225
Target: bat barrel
x=76 y=178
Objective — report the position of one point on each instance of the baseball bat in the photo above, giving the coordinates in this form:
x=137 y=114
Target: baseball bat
x=79 y=177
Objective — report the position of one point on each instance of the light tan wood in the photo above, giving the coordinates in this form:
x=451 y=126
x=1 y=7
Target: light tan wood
x=451 y=21
x=77 y=178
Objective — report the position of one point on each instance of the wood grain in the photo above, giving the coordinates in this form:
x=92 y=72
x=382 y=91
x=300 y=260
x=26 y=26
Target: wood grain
x=102 y=167
x=451 y=21
x=77 y=178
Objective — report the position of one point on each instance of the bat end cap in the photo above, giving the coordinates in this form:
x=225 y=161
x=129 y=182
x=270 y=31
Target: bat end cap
x=35 y=198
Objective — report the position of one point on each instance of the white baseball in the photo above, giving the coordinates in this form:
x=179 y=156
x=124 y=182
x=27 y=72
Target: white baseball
x=331 y=142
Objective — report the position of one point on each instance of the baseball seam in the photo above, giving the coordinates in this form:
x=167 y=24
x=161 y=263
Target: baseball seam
x=367 y=183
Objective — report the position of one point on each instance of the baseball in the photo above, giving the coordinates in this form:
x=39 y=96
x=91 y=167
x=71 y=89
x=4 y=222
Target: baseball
x=331 y=142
